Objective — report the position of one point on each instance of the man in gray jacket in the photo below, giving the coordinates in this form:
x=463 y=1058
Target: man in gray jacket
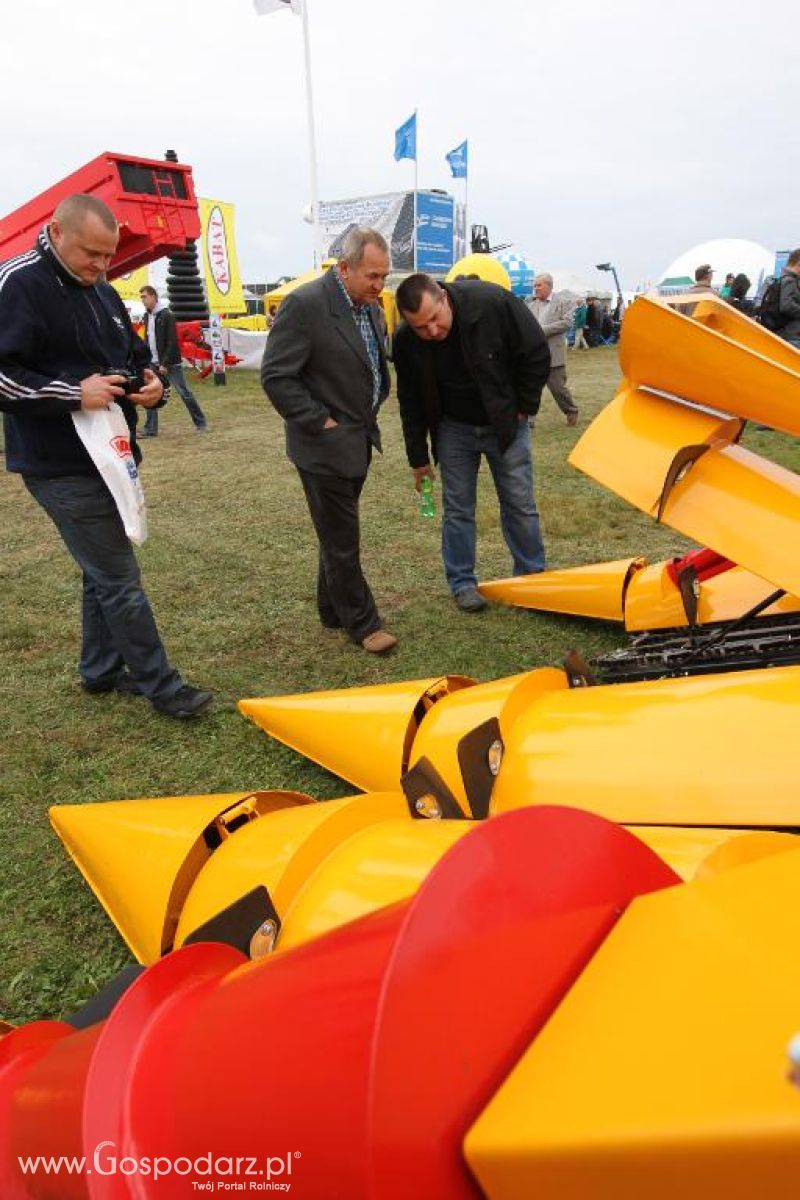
x=790 y=299
x=324 y=370
x=554 y=313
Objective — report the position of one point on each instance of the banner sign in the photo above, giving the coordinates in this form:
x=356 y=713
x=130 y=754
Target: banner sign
x=128 y=286
x=220 y=262
x=392 y=214
x=434 y=232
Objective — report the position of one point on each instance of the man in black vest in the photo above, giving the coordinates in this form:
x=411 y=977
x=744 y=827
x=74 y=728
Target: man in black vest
x=471 y=363
x=161 y=335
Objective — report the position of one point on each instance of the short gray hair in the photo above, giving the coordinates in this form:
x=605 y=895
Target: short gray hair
x=355 y=243
x=545 y=278
x=73 y=211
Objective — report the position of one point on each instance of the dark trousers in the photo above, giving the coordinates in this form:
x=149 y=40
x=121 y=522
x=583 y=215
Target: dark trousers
x=119 y=629
x=343 y=596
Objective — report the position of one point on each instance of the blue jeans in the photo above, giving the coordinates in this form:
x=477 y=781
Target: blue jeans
x=460 y=448
x=119 y=629
x=178 y=381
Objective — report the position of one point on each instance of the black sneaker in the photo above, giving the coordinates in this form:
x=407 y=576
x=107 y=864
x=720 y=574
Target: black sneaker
x=123 y=683
x=187 y=702
x=469 y=600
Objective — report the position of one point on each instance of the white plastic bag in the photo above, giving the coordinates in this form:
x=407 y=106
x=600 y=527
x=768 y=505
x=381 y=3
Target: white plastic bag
x=105 y=434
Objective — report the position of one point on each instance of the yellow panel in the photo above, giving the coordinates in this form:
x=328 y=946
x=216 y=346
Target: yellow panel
x=592 y=591
x=710 y=750
x=130 y=853
x=722 y=318
x=653 y=601
x=280 y=852
x=361 y=734
x=378 y=866
x=631 y=445
x=664 y=349
x=702 y=852
x=745 y=508
x=449 y=720
x=663 y=1072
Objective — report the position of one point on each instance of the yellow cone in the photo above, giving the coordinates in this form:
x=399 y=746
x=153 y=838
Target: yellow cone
x=592 y=591
x=140 y=857
x=361 y=734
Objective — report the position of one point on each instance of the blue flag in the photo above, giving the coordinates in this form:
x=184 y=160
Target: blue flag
x=405 y=139
x=458 y=161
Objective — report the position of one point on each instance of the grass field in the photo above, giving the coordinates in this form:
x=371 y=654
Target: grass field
x=230 y=569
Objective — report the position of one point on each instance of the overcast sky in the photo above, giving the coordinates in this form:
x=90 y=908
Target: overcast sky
x=611 y=129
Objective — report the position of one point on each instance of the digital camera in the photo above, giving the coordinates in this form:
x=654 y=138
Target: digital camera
x=132 y=381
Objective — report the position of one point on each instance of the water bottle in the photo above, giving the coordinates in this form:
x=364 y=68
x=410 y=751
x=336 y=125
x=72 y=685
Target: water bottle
x=427 y=503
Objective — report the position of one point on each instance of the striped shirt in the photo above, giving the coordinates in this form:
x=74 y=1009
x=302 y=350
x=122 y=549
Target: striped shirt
x=363 y=320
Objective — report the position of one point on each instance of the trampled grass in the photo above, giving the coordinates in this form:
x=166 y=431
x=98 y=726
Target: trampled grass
x=230 y=569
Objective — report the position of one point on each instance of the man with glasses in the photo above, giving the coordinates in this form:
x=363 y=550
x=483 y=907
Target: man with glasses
x=471 y=364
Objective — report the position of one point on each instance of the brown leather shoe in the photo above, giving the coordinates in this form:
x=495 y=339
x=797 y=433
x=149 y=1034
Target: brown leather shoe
x=572 y=419
x=379 y=642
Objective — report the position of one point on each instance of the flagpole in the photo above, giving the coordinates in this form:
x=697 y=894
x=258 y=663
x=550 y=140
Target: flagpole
x=416 y=183
x=312 y=140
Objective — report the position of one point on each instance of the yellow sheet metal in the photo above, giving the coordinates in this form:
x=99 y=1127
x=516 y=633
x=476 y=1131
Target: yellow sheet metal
x=363 y=735
x=592 y=591
x=663 y=1072
x=448 y=721
x=745 y=508
x=709 y=750
x=375 y=867
x=661 y=348
x=652 y=600
x=280 y=852
x=734 y=325
x=140 y=857
x=631 y=445
x=699 y=853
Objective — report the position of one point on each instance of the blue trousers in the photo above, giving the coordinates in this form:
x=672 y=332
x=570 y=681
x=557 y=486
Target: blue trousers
x=460 y=448
x=119 y=629
x=177 y=380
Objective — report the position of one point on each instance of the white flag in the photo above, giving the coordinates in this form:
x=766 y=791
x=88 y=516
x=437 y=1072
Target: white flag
x=263 y=7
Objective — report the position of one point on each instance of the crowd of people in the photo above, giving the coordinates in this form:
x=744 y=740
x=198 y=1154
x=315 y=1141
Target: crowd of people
x=471 y=362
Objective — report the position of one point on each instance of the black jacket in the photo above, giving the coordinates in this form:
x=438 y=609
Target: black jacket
x=169 y=354
x=54 y=332
x=505 y=351
x=790 y=305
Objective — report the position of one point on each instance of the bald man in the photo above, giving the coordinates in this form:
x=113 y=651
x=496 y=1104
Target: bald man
x=62 y=329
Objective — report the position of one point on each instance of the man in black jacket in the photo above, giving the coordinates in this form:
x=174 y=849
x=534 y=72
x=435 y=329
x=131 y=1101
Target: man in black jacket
x=790 y=300
x=161 y=335
x=62 y=328
x=471 y=363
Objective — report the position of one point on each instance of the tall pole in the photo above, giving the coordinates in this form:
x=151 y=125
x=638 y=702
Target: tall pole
x=416 y=183
x=312 y=140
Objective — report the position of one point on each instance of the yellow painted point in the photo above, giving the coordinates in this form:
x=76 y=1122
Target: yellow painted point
x=661 y=348
x=593 y=591
x=664 y=1070
x=363 y=735
x=631 y=445
x=140 y=857
x=688 y=751
x=379 y=865
x=447 y=722
x=654 y=602
x=279 y=852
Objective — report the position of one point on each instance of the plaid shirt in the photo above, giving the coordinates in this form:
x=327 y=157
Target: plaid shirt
x=363 y=321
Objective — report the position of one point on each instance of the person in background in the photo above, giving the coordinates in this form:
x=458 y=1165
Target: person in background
x=579 y=322
x=471 y=363
x=63 y=329
x=161 y=335
x=790 y=299
x=725 y=290
x=554 y=314
x=737 y=295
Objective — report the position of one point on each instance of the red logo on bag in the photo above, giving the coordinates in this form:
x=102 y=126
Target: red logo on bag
x=121 y=445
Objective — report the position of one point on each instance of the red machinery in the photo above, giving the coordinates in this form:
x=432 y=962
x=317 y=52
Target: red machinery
x=153 y=200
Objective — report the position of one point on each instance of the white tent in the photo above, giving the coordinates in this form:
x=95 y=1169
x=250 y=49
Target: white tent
x=725 y=255
x=575 y=285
